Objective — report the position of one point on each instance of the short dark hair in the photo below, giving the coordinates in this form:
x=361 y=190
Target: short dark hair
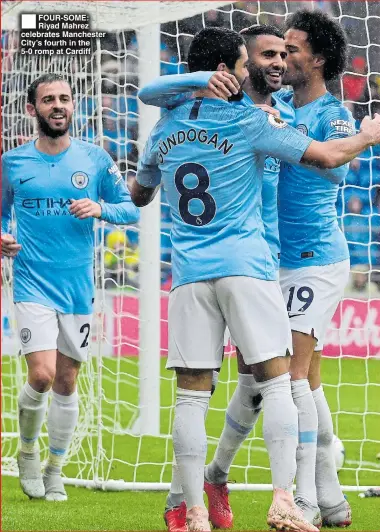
x=260 y=29
x=45 y=78
x=325 y=36
x=212 y=46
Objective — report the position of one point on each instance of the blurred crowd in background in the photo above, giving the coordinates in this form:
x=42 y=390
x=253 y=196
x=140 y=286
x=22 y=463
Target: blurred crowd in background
x=358 y=202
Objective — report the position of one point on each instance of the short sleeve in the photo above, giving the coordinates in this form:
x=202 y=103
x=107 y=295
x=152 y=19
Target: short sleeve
x=271 y=135
x=336 y=123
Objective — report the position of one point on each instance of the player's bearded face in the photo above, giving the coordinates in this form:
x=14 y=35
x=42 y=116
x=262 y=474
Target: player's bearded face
x=267 y=64
x=55 y=123
x=265 y=80
x=54 y=108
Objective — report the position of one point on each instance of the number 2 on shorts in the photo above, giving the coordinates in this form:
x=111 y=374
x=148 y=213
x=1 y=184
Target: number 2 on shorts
x=85 y=328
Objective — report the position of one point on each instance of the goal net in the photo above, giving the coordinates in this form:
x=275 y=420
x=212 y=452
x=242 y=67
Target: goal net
x=123 y=439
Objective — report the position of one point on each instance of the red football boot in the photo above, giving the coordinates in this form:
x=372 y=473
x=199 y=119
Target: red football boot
x=219 y=509
x=175 y=518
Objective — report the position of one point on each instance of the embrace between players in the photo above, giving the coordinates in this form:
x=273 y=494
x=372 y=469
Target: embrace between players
x=227 y=231
x=222 y=183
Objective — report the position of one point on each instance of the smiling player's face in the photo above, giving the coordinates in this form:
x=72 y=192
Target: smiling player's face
x=267 y=63
x=54 y=108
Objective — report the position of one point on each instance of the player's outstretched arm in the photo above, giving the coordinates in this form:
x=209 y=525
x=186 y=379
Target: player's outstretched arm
x=337 y=152
x=272 y=136
x=171 y=91
x=334 y=123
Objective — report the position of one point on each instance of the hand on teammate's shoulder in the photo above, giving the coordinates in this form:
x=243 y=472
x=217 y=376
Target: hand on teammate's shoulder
x=223 y=84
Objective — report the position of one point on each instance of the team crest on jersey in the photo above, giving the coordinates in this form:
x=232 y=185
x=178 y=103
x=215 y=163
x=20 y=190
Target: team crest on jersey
x=276 y=121
x=79 y=180
x=302 y=129
x=25 y=335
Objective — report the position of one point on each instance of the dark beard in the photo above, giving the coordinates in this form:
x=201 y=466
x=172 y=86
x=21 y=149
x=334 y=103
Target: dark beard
x=258 y=82
x=47 y=130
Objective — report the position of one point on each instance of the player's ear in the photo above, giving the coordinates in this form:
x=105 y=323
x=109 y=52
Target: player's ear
x=222 y=67
x=319 y=61
x=31 y=109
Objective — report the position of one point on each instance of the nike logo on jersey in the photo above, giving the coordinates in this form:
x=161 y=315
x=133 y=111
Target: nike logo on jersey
x=294 y=315
x=22 y=181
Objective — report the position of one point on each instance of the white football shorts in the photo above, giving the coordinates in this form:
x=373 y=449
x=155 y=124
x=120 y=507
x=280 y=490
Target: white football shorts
x=42 y=328
x=312 y=295
x=228 y=339
x=253 y=309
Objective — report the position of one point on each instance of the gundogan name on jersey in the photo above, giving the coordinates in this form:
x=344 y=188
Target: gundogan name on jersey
x=192 y=135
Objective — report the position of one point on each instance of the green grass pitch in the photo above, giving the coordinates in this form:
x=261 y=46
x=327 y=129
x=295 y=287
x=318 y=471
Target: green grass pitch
x=353 y=391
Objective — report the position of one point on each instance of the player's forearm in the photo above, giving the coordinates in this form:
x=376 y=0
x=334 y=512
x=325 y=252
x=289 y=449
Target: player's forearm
x=336 y=152
x=120 y=213
x=171 y=91
x=142 y=196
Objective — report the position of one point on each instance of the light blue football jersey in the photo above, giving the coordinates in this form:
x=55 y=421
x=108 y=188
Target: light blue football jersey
x=171 y=91
x=55 y=265
x=269 y=191
x=210 y=156
x=309 y=230
x=270 y=184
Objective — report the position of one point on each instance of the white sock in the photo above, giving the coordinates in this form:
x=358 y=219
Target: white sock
x=62 y=419
x=175 y=495
x=307 y=440
x=190 y=442
x=32 y=407
x=242 y=413
x=329 y=492
x=280 y=430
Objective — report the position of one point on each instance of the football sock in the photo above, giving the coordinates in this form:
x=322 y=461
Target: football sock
x=190 y=442
x=329 y=492
x=62 y=419
x=307 y=444
x=175 y=495
x=32 y=407
x=280 y=429
x=242 y=413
